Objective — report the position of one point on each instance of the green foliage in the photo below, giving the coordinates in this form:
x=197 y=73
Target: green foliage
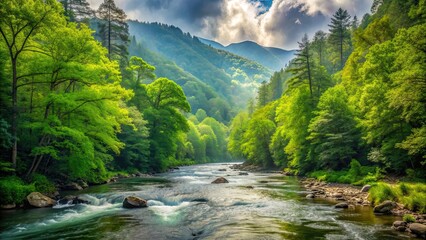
x=42 y=184
x=14 y=190
x=409 y=218
x=356 y=174
x=333 y=132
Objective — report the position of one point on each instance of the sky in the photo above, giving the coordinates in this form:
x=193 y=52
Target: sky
x=272 y=23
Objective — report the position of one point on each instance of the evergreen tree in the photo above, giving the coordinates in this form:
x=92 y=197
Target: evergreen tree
x=340 y=34
x=77 y=10
x=113 y=31
x=319 y=45
x=301 y=66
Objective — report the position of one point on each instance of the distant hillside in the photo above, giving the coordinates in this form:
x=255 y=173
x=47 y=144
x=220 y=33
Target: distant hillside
x=273 y=58
x=213 y=79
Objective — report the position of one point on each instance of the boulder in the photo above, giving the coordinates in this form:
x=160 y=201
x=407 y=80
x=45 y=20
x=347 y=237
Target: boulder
x=134 y=202
x=242 y=173
x=220 y=180
x=83 y=184
x=400 y=226
x=70 y=199
x=365 y=188
x=8 y=206
x=418 y=229
x=309 y=196
x=72 y=186
x=385 y=207
x=338 y=195
x=222 y=170
x=54 y=195
x=342 y=205
x=37 y=199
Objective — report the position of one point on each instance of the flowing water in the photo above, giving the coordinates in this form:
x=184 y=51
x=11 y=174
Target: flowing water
x=184 y=205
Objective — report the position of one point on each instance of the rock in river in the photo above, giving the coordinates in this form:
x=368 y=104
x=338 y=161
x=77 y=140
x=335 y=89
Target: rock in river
x=399 y=226
x=342 y=205
x=385 y=207
x=310 y=196
x=134 y=202
x=418 y=229
x=220 y=180
x=37 y=199
x=365 y=188
x=72 y=186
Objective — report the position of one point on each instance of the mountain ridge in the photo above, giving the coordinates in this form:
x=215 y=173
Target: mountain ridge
x=214 y=80
x=272 y=57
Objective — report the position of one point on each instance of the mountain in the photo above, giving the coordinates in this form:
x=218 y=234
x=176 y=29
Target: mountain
x=273 y=58
x=214 y=80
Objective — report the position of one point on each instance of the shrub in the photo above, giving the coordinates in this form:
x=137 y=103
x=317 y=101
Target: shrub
x=408 y=218
x=42 y=184
x=14 y=190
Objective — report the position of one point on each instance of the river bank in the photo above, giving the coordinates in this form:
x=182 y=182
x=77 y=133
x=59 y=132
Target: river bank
x=350 y=196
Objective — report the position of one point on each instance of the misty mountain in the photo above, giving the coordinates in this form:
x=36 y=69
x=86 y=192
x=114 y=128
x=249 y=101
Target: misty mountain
x=214 y=80
x=273 y=58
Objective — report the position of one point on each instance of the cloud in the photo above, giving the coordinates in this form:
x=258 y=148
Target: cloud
x=269 y=22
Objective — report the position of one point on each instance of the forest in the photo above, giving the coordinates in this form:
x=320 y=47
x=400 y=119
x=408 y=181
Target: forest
x=75 y=106
x=350 y=107
x=80 y=102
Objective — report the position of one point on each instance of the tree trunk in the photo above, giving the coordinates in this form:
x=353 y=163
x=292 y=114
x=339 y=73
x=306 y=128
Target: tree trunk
x=14 y=113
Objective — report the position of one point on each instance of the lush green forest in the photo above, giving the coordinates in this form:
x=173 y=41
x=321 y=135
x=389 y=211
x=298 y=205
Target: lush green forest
x=86 y=95
x=355 y=96
x=76 y=106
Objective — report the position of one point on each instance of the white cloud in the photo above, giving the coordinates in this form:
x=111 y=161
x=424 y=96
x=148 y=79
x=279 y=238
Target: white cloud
x=229 y=21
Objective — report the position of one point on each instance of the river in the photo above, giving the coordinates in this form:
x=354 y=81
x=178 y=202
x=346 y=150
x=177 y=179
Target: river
x=183 y=204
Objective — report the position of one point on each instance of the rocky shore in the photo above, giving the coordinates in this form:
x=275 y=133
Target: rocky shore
x=349 y=196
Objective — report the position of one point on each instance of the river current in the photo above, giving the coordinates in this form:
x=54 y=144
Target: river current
x=183 y=204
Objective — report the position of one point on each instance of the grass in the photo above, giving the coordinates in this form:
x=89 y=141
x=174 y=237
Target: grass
x=411 y=195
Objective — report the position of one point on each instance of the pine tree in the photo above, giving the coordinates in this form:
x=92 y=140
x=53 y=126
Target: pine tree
x=301 y=67
x=319 y=42
x=339 y=32
x=113 y=31
x=77 y=10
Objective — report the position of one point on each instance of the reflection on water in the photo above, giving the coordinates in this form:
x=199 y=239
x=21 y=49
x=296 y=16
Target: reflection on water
x=185 y=205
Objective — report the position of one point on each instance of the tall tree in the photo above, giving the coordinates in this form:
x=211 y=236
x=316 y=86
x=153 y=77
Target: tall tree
x=339 y=32
x=113 y=30
x=20 y=21
x=165 y=120
x=319 y=45
x=301 y=67
x=77 y=10
x=333 y=133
